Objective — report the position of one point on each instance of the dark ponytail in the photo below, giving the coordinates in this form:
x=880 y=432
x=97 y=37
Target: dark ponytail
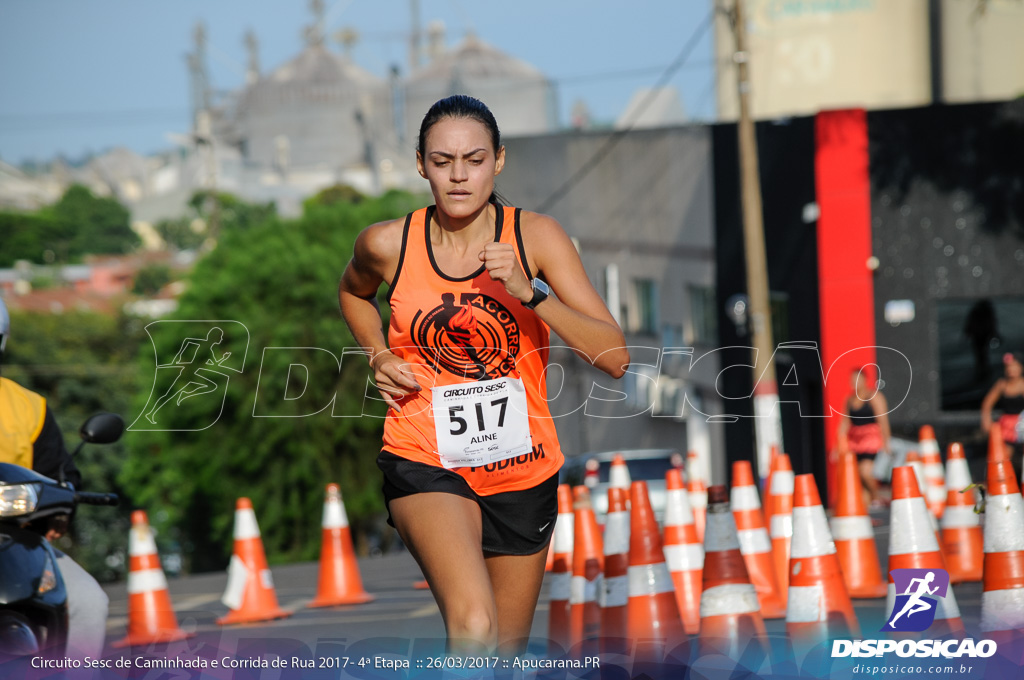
x=462 y=106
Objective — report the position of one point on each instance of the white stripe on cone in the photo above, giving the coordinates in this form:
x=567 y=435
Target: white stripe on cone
x=616 y=533
x=685 y=557
x=731 y=598
x=782 y=525
x=699 y=499
x=581 y=590
x=1002 y=610
x=782 y=483
x=238 y=575
x=146 y=581
x=618 y=477
x=650 y=579
x=919 y=475
x=615 y=591
x=1004 y=523
x=958 y=475
x=960 y=517
x=753 y=541
x=929 y=446
x=806 y=604
x=334 y=516
x=720 y=533
x=140 y=541
x=744 y=498
x=564 y=532
x=677 y=508
x=814 y=539
x=911 y=527
x=560 y=586
x=245 y=524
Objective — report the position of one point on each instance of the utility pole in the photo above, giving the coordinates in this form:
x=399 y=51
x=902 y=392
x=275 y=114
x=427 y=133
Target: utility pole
x=767 y=418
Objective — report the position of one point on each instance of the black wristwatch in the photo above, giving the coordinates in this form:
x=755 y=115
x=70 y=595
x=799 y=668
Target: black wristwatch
x=541 y=291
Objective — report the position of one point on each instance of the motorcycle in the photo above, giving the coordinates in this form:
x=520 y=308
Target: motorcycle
x=33 y=599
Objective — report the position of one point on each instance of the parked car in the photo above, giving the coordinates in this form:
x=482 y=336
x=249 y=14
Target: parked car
x=648 y=465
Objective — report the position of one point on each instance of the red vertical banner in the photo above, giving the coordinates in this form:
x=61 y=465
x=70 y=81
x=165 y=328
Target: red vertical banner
x=846 y=288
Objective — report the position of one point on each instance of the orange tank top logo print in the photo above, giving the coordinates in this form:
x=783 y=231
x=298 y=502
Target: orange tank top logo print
x=476 y=337
x=480 y=357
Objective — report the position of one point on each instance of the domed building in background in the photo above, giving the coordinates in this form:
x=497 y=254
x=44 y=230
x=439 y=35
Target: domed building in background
x=521 y=97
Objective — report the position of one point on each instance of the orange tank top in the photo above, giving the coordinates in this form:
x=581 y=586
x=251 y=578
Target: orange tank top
x=459 y=330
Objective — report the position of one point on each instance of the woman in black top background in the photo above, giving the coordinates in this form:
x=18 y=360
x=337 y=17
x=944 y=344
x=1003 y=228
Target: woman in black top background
x=1007 y=397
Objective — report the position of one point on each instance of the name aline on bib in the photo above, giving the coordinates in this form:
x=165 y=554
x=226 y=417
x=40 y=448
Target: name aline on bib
x=482 y=422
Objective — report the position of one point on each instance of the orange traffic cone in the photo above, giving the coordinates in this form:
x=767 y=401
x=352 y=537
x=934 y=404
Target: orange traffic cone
x=913 y=546
x=250 y=591
x=934 y=475
x=697 y=488
x=614 y=598
x=618 y=474
x=1002 y=613
x=150 y=614
x=768 y=509
x=913 y=459
x=340 y=582
x=653 y=613
x=780 y=526
x=730 y=613
x=962 y=541
x=819 y=606
x=853 y=534
x=996 y=445
x=587 y=566
x=754 y=542
x=561 y=573
x=683 y=552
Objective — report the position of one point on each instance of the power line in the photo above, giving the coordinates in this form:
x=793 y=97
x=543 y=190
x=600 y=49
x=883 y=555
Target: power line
x=562 y=191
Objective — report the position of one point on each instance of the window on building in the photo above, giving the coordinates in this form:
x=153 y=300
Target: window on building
x=645 y=320
x=703 y=316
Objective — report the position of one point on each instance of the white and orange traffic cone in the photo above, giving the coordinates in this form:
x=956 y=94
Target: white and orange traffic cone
x=912 y=545
x=618 y=473
x=768 y=509
x=934 y=474
x=587 y=568
x=591 y=473
x=754 y=542
x=996 y=446
x=561 y=573
x=150 y=614
x=697 y=488
x=250 y=591
x=963 y=546
x=913 y=459
x=819 y=607
x=614 y=598
x=683 y=552
x=1002 y=599
x=653 y=614
x=854 y=537
x=730 y=612
x=780 y=526
x=339 y=581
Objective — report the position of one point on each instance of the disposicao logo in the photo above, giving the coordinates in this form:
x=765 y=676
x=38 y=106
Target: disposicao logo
x=913 y=611
x=916 y=590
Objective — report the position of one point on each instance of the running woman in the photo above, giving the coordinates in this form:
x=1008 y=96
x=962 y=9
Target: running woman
x=470 y=455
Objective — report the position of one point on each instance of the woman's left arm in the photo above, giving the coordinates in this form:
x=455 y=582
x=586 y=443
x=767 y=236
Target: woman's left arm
x=574 y=311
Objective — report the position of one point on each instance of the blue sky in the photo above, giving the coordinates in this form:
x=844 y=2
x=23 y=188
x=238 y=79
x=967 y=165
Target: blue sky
x=84 y=76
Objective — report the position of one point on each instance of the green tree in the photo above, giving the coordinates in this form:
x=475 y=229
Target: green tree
x=279 y=279
x=91 y=224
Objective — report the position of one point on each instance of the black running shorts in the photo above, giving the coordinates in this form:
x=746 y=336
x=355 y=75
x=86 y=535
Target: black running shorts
x=514 y=522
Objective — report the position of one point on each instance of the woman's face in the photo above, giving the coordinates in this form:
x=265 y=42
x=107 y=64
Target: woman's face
x=460 y=163
x=1014 y=369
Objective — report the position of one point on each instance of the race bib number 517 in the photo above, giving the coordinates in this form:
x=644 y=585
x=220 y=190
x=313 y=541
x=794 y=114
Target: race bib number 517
x=481 y=422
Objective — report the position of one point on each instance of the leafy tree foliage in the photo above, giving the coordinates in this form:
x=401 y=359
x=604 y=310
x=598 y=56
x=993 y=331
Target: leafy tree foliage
x=280 y=279
x=79 y=223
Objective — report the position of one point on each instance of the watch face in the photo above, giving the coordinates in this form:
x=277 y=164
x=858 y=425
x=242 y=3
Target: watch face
x=540 y=287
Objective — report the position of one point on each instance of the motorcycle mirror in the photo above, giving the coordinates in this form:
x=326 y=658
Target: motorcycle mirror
x=102 y=428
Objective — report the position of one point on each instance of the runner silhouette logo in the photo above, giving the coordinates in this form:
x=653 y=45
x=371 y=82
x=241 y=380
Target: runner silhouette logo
x=194 y=363
x=917 y=591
